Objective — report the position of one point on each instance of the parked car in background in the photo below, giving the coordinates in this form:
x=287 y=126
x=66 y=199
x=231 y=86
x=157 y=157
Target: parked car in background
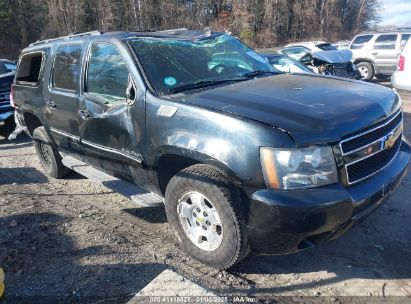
x=401 y=79
x=323 y=58
x=286 y=64
x=313 y=46
x=376 y=53
x=7 y=71
x=342 y=45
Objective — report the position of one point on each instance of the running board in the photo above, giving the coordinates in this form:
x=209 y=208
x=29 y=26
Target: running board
x=133 y=192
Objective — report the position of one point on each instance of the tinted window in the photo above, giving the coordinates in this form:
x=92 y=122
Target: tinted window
x=360 y=41
x=385 y=42
x=66 y=70
x=29 y=68
x=107 y=73
x=404 y=39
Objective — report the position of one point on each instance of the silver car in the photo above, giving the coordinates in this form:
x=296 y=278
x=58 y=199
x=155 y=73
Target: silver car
x=376 y=54
x=401 y=79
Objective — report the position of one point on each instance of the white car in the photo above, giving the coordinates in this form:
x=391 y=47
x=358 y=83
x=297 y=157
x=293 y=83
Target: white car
x=314 y=46
x=401 y=79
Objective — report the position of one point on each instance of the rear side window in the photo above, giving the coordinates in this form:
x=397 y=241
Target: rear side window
x=107 y=73
x=66 y=71
x=404 y=39
x=29 y=69
x=385 y=42
x=360 y=42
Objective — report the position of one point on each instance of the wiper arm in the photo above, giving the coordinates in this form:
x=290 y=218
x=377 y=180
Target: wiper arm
x=202 y=84
x=258 y=73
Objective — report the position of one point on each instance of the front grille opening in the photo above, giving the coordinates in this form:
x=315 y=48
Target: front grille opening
x=372 y=164
x=367 y=138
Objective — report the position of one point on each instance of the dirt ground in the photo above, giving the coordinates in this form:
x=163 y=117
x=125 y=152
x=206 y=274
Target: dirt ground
x=74 y=240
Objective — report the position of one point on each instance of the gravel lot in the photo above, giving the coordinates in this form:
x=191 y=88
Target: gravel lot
x=75 y=240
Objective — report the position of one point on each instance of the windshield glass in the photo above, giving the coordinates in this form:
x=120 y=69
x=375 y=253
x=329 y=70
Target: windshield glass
x=171 y=63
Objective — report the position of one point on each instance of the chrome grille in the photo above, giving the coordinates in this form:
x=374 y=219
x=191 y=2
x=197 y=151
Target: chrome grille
x=369 y=152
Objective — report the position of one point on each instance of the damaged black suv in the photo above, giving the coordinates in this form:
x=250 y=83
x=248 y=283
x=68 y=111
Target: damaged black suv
x=247 y=157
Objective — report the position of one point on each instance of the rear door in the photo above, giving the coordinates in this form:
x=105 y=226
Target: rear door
x=62 y=96
x=385 y=53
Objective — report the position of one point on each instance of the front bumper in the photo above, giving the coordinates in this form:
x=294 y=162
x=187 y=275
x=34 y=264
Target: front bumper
x=280 y=222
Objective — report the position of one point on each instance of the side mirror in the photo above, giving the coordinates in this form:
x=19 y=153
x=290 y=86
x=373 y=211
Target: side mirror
x=131 y=90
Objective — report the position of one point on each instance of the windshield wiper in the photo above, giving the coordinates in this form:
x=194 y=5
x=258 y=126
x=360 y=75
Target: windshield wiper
x=258 y=73
x=203 y=84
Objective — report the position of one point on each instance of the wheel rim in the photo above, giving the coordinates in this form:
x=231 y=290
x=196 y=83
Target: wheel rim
x=364 y=72
x=200 y=220
x=45 y=153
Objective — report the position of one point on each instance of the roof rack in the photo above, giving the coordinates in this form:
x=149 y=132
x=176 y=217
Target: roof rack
x=398 y=29
x=75 y=34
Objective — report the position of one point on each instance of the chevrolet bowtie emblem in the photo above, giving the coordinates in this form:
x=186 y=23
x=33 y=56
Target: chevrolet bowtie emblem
x=389 y=141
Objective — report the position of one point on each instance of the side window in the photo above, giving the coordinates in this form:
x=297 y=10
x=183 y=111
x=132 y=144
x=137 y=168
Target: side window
x=29 y=69
x=404 y=39
x=385 y=42
x=360 y=42
x=107 y=73
x=66 y=70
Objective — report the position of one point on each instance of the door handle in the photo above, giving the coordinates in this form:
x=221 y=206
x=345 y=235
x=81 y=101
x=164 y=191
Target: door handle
x=84 y=114
x=374 y=53
x=51 y=104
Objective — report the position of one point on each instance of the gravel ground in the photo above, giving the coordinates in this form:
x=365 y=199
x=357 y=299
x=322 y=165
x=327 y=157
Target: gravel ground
x=75 y=240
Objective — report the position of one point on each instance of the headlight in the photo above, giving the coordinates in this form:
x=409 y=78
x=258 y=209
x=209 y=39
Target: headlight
x=298 y=168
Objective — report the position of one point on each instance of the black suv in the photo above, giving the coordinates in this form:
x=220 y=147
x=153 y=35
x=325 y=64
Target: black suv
x=247 y=158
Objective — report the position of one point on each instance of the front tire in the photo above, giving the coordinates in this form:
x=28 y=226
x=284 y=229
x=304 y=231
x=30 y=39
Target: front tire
x=203 y=209
x=49 y=156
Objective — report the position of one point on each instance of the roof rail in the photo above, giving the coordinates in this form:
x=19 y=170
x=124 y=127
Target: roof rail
x=75 y=34
x=398 y=29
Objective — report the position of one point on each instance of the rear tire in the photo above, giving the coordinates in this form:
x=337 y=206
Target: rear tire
x=49 y=156
x=208 y=198
x=367 y=70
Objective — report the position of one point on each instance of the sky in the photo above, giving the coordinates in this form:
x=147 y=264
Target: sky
x=396 y=12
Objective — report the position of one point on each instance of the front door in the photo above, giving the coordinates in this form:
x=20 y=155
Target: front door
x=385 y=53
x=62 y=95
x=111 y=114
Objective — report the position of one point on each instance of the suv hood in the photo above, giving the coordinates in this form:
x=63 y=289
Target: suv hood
x=334 y=56
x=312 y=109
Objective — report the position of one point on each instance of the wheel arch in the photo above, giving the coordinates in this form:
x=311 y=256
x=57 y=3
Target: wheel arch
x=361 y=59
x=32 y=122
x=169 y=163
